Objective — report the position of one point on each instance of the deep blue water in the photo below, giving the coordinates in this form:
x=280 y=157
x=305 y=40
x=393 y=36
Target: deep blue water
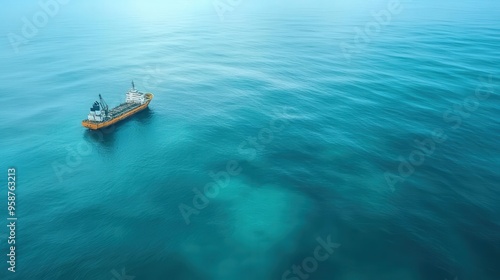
x=322 y=143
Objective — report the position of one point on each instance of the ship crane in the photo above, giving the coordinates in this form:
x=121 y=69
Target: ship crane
x=104 y=106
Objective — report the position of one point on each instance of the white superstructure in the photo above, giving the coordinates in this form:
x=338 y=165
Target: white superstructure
x=135 y=96
x=96 y=114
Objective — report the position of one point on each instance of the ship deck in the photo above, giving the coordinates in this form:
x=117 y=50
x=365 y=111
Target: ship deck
x=122 y=109
x=118 y=111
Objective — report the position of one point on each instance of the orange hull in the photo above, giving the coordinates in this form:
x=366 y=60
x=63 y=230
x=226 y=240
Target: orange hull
x=98 y=125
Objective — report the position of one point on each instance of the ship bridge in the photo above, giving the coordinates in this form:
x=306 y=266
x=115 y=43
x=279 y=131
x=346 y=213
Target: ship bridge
x=135 y=96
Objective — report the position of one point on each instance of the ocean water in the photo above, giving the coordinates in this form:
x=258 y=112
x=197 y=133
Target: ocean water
x=385 y=144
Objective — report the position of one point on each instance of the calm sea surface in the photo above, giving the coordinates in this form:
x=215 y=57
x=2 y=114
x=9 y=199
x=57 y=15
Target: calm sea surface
x=385 y=143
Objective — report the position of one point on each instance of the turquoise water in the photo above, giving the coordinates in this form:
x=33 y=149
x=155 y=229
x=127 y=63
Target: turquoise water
x=309 y=139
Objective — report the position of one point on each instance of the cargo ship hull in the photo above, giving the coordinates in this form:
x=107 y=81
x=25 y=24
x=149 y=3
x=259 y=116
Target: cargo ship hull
x=118 y=114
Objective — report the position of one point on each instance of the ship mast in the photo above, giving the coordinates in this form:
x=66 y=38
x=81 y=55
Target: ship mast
x=133 y=85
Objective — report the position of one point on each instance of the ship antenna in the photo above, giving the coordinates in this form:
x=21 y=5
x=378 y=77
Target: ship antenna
x=133 y=85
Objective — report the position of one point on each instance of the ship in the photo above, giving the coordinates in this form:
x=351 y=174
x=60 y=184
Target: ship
x=100 y=116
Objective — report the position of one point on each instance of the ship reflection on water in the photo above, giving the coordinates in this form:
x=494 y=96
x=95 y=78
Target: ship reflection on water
x=144 y=116
x=105 y=137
